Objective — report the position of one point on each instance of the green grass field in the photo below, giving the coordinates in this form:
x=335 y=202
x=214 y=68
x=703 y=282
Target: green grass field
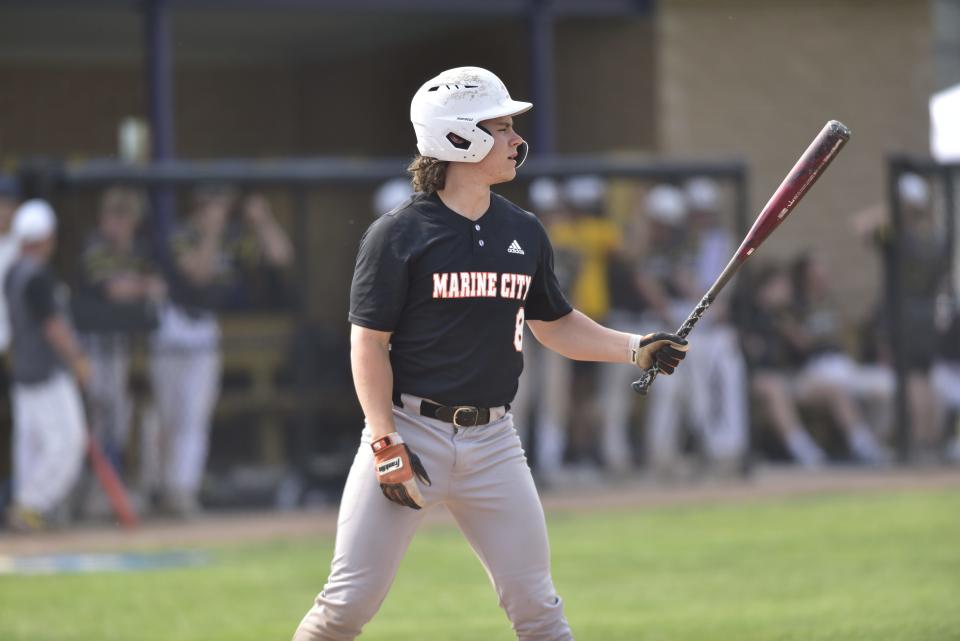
x=870 y=567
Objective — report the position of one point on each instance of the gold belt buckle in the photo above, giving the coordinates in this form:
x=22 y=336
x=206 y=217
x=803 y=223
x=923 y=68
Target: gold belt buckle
x=467 y=409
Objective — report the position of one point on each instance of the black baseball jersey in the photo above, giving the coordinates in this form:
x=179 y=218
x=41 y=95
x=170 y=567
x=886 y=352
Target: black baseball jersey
x=455 y=294
x=33 y=297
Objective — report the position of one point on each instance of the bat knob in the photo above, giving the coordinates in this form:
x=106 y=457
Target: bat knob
x=642 y=384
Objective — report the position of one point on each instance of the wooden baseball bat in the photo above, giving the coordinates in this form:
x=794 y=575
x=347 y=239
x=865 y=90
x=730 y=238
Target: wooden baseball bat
x=805 y=172
x=112 y=485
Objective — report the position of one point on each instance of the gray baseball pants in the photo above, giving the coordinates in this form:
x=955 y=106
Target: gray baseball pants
x=481 y=475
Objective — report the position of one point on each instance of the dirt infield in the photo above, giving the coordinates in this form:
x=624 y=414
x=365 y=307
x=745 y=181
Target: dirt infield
x=231 y=528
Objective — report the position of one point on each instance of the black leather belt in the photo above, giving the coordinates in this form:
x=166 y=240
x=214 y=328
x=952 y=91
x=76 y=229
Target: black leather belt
x=459 y=415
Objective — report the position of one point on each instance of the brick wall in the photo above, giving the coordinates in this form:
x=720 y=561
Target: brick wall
x=759 y=78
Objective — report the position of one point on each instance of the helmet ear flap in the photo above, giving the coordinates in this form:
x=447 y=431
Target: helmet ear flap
x=522 y=150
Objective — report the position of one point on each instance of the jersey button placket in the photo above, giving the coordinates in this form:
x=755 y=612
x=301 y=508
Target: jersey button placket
x=478 y=242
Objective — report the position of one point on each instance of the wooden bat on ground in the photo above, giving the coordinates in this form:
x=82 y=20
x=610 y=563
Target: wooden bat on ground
x=111 y=484
x=808 y=169
x=109 y=480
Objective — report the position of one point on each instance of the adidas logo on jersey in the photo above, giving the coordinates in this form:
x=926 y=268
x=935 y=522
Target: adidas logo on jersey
x=514 y=248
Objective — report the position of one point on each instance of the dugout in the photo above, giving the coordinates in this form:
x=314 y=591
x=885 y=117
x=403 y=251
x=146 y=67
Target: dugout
x=287 y=410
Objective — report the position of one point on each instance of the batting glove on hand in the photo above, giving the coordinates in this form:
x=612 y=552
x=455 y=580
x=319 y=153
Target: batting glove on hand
x=666 y=350
x=398 y=470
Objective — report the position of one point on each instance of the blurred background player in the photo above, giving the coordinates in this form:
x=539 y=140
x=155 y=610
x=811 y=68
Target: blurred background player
x=9 y=247
x=827 y=374
x=946 y=380
x=667 y=281
x=8 y=253
x=718 y=378
x=391 y=194
x=546 y=383
x=796 y=362
x=924 y=260
x=185 y=365
x=589 y=234
x=629 y=311
x=48 y=364
x=116 y=297
x=769 y=354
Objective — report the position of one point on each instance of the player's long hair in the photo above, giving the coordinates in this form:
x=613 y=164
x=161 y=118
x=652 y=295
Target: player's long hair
x=428 y=174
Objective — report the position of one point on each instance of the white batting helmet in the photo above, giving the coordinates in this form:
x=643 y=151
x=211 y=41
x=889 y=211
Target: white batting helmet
x=390 y=194
x=452 y=105
x=913 y=190
x=702 y=194
x=665 y=203
x=585 y=192
x=545 y=194
x=34 y=221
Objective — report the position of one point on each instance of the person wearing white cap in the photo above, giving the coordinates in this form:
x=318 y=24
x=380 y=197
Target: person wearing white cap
x=390 y=195
x=924 y=271
x=592 y=237
x=546 y=382
x=48 y=364
x=718 y=386
x=923 y=268
x=666 y=280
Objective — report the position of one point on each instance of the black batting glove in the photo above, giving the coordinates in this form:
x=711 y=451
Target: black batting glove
x=661 y=348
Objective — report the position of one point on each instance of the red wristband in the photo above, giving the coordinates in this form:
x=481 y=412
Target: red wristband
x=383 y=443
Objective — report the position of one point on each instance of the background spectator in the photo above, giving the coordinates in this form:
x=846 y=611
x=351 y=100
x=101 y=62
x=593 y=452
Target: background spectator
x=8 y=253
x=390 y=194
x=795 y=363
x=945 y=377
x=9 y=247
x=185 y=365
x=546 y=383
x=827 y=374
x=770 y=357
x=117 y=295
x=718 y=379
x=667 y=283
x=629 y=312
x=923 y=264
x=590 y=234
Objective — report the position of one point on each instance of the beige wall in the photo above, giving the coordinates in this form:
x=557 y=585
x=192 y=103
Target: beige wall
x=605 y=85
x=758 y=78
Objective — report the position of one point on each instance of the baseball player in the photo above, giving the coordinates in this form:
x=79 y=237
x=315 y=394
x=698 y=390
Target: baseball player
x=117 y=294
x=442 y=288
x=9 y=200
x=211 y=251
x=48 y=419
